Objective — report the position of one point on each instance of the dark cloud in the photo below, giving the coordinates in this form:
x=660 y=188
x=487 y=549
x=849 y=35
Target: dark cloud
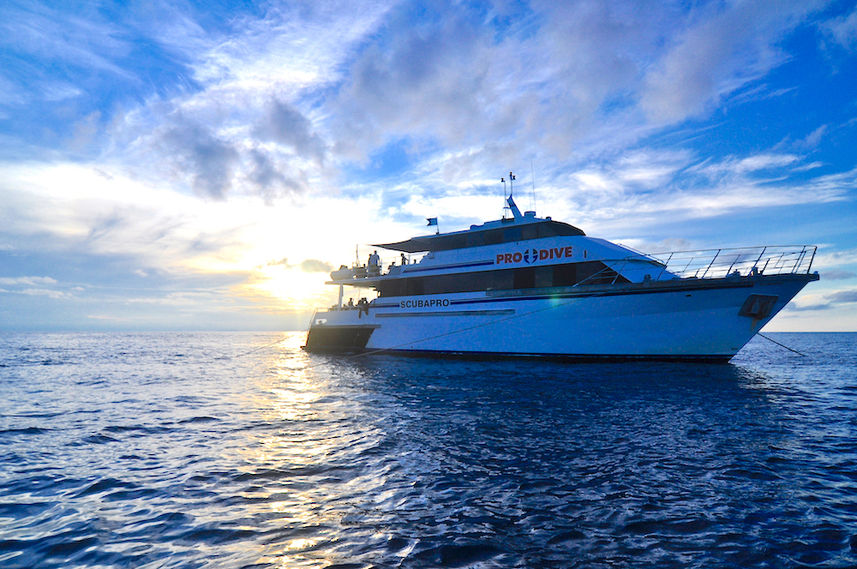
x=269 y=180
x=315 y=266
x=830 y=300
x=430 y=80
x=837 y=275
x=809 y=307
x=285 y=125
x=209 y=160
x=843 y=296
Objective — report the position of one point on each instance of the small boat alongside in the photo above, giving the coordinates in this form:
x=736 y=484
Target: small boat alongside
x=525 y=286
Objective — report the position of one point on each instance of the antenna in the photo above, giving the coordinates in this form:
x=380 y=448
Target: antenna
x=510 y=201
x=505 y=207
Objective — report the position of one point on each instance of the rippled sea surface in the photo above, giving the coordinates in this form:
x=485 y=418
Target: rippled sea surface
x=239 y=450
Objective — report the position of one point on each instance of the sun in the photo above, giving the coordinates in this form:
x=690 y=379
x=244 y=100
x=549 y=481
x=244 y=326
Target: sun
x=293 y=287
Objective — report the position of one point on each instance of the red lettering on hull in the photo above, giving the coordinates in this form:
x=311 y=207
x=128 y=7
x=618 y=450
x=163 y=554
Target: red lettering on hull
x=535 y=255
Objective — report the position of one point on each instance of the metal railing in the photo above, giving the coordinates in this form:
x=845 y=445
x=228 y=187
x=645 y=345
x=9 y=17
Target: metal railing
x=742 y=261
x=711 y=264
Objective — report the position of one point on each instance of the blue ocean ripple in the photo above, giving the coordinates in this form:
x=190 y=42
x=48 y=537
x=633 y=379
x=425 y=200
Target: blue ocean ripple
x=240 y=450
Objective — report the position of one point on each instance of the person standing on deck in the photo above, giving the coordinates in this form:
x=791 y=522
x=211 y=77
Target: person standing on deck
x=374 y=264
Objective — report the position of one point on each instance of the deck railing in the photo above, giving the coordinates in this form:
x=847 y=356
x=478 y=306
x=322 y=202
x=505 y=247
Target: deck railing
x=713 y=263
x=719 y=263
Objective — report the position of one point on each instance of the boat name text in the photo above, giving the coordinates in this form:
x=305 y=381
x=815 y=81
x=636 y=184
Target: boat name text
x=424 y=303
x=532 y=255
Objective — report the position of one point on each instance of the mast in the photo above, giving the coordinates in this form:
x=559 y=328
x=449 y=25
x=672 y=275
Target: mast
x=510 y=201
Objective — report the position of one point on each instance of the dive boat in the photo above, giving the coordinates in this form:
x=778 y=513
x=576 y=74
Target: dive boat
x=525 y=286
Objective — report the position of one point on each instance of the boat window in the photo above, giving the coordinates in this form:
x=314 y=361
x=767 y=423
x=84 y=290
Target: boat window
x=543 y=277
x=493 y=236
x=529 y=232
x=417 y=286
x=471 y=240
x=524 y=278
x=511 y=234
x=589 y=272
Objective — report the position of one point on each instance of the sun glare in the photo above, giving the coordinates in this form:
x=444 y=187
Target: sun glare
x=293 y=287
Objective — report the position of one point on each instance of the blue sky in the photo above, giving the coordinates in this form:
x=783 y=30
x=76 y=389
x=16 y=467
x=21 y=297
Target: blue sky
x=202 y=165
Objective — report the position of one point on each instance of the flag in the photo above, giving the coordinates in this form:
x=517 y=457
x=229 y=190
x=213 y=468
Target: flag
x=431 y=221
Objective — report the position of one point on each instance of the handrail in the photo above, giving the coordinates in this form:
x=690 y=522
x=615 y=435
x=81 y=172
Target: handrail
x=719 y=263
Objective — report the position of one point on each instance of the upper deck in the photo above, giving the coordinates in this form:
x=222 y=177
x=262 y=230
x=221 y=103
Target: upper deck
x=525 y=251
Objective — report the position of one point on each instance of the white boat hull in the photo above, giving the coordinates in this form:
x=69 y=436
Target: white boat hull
x=690 y=319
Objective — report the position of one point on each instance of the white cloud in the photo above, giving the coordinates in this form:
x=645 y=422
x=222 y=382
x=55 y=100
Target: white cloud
x=834 y=259
x=80 y=38
x=726 y=47
x=843 y=30
x=764 y=162
x=33 y=286
x=27 y=281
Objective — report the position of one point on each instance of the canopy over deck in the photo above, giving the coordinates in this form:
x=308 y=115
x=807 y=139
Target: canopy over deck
x=491 y=233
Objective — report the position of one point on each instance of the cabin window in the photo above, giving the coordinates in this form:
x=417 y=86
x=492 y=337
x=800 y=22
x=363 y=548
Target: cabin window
x=493 y=237
x=543 y=277
x=415 y=286
x=511 y=234
x=524 y=278
x=592 y=272
x=529 y=232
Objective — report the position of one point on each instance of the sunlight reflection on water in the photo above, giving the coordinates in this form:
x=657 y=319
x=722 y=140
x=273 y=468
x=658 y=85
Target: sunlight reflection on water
x=239 y=450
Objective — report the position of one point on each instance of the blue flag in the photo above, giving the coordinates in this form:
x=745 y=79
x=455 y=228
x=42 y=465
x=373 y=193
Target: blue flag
x=432 y=220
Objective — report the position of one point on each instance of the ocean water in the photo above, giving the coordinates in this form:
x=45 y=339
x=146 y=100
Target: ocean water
x=239 y=450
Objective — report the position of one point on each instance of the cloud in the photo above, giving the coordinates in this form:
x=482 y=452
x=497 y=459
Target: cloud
x=726 y=47
x=793 y=306
x=284 y=124
x=81 y=38
x=835 y=275
x=307 y=266
x=834 y=259
x=266 y=176
x=316 y=266
x=812 y=139
x=32 y=286
x=765 y=162
x=429 y=81
x=208 y=159
x=646 y=187
x=828 y=301
x=27 y=281
x=843 y=296
x=843 y=30
x=55 y=294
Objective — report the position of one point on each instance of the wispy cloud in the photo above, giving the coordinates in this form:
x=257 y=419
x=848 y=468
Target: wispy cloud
x=717 y=54
x=837 y=275
x=843 y=30
x=33 y=286
x=827 y=301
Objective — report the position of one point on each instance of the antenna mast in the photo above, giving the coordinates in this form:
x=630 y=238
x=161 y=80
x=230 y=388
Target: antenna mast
x=510 y=201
